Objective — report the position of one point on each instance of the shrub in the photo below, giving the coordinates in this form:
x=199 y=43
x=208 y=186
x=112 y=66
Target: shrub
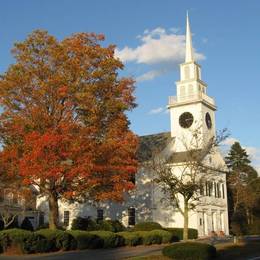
x=111 y=225
x=1 y=224
x=26 y=224
x=131 y=238
x=147 y=226
x=58 y=239
x=149 y=238
x=190 y=251
x=117 y=225
x=254 y=229
x=166 y=236
x=178 y=232
x=80 y=223
x=86 y=240
x=22 y=241
x=110 y=239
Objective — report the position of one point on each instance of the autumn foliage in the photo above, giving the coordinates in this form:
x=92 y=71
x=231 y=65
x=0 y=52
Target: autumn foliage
x=63 y=126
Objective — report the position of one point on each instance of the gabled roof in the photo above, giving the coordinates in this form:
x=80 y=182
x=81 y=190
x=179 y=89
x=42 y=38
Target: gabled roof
x=149 y=144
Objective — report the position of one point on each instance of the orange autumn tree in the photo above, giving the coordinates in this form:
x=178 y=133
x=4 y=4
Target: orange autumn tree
x=64 y=127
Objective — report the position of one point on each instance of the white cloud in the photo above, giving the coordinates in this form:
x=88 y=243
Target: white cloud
x=229 y=141
x=160 y=49
x=157 y=110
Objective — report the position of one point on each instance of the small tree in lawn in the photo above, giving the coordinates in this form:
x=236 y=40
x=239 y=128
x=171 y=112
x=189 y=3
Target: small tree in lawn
x=63 y=127
x=182 y=188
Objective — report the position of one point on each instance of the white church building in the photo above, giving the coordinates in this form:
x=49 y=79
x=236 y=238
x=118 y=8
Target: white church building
x=189 y=109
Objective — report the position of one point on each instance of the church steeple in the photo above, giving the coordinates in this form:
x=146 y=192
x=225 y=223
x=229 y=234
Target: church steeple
x=189 y=50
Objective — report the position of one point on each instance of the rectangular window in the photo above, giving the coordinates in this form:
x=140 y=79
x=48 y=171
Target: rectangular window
x=223 y=191
x=131 y=216
x=215 y=189
x=207 y=188
x=210 y=188
x=100 y=214
x=218 y=190
x=66 y=218
x=2 y=196
x=200 y=221
x=201 y=189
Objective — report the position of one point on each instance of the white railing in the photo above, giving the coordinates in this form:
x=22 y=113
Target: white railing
x=198 y=96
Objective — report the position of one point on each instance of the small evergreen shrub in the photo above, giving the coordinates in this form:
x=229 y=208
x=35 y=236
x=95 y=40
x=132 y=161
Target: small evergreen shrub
x=190 y=251
x=26 y=224
x=149 y=238
x=147 y=226
x=58 y=239
x=178 y=232
x=166 y=236
x=110 y=239
x=131 y=238
x=117 y=225
x=80 y=223
x=254 y=229
x=21 y=241
x=86 y=240
x=1 y=224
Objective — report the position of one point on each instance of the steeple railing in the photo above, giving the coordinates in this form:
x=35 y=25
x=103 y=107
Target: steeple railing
x=173 y=100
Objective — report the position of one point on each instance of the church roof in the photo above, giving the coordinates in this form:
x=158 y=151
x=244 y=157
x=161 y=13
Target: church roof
x=149 y=144
x=180 y=157
x=156 y=143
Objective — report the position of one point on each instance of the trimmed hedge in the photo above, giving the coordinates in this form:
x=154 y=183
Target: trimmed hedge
x=89 y=224
x=21 y=241
x=147 y=226
x=190 y=251
x=58 y=240
x=86 y=240
x=131 y=238
x=110 y=239
x=178 y=232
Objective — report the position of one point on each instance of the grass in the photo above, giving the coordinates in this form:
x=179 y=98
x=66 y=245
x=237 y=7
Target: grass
x=225 y=251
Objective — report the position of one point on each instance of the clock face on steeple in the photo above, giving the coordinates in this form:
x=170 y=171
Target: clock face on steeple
x=186 y=120
x=208 y=120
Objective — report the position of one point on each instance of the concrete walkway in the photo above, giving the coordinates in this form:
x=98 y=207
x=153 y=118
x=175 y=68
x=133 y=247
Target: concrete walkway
x=102 y=254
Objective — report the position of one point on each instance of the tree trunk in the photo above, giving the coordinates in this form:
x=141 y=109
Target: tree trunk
x=186 y=220
x=53 y=211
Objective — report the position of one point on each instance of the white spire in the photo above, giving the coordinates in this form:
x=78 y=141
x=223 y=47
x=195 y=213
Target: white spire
x=189 y=50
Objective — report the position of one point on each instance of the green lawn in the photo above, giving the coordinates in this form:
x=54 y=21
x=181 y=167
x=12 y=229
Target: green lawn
x=225 y=251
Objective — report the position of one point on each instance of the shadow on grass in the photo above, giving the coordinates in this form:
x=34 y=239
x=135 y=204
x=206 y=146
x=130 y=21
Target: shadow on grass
x=242 y=250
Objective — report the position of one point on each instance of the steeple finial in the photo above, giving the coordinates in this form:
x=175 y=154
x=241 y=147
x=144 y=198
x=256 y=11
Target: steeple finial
x=189 y=50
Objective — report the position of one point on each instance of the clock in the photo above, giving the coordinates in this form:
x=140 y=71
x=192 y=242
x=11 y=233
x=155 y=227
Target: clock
x=186 y=120
x=208 y=120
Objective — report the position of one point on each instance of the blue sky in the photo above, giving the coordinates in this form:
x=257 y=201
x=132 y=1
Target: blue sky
x=226 y=35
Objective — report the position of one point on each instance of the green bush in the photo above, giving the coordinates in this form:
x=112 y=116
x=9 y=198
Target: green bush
x=26 y=224
x=86 y=240
x=147 y=226
x=149 y=238
x=1 y=224
x=110 y=225
x=166 y=236
x=58 y=239
x=110 y=239
x=22 y=240
x=80 y=223
x=190 y=251
x=178 y=232
x=254 y=229
x=131 y=238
